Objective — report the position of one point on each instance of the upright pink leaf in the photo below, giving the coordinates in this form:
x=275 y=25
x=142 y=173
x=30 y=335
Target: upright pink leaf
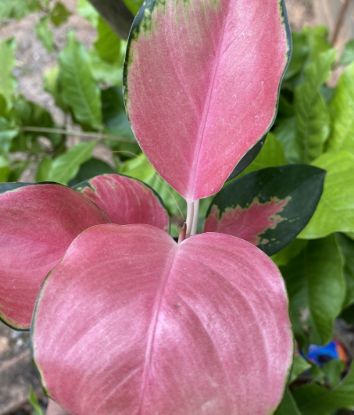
x=202 y=80
x=126 y=200
x=37 y=223
x=131 y=323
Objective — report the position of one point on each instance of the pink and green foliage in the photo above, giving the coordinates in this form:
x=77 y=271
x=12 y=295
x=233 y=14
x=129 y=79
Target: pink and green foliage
x=130 y=321
x=268 y=207
x=183 y=328
x=248 y=223
x=125 y=200
x=211 y=71
x=38 y=223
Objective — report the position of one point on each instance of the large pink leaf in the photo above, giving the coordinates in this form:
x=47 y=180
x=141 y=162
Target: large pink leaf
x=126 y=200
x=37 y=223
x=202 y=80
x=131 y=323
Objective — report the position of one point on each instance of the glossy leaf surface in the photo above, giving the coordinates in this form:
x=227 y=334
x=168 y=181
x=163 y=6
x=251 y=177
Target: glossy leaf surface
x=316 y=288
x=210 y=71
x=126 y=200
x=38 y=223
x=267 y=207
x=335 y=211
x=137 y=324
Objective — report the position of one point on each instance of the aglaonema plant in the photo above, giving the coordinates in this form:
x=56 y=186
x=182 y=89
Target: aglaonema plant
x=126 y=320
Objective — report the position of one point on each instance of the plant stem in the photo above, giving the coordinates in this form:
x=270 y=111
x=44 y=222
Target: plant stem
x=97 y=136
x=340 y=20
x=192 y=217
x=195 y=217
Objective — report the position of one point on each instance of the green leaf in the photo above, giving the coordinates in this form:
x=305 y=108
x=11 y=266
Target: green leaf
x=65 y=167
x=133 y=5
x=107 y=43
x=271 y=155
x=300 y=365
x=90 y=169
x=140 y=168
x=114 y=117
x=43 y=169
x=7 y=59
x=348 y=54
x=86 y=10
x=342 y=110
x=312 y=115
x=33 y=400
x=79 y=90
x=335 y=211
x=290 y=251
x=314 y=399
x=267 y=207
x=347 y=249
x=4 y=169
x=45 y=34
x=30 y=114
x=7 y=133
x=316 y=289
x=16 y=9
x=285 y=131
x=288 y=405
x=60 y=14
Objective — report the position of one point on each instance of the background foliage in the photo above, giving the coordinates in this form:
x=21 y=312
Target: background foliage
x=315 y=125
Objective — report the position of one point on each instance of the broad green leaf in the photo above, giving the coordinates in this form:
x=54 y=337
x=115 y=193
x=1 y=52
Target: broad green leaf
x=271 y=155
x=288 y=405
x=348 y=54
x=342 y=110
x=312 y=116
x=79 y=90
x=45 y=34
x=317 y=400
x=316 y=289
x=346 y=246
x=66 y=166
x=60 y=14
x=335 y=211
x=7 y=61
x=107 y=43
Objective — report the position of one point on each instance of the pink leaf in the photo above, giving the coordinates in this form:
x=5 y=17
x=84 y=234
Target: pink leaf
x=126 y=200
x=131 y=323
x=249 y=223
x=38 y=223
x=202 y=85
